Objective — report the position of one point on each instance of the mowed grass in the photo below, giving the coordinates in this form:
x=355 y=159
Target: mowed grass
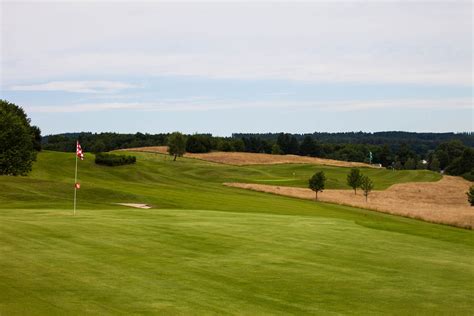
x=297 y=175
x=208 y=249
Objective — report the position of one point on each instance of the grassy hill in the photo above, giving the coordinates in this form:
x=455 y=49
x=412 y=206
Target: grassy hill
x=206 y=248
x=297 y=175
x=155 y=179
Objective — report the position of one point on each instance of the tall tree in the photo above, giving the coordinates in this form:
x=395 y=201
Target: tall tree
x=404 y=153
x=288 y=143
x=17 y=140
x=354 y=179
x=198 y=143
x=176 y=144
x=434 y=164
x=385 y=156
x=462 y=164
x=36 y=133
x=410 y=164
x=366 y=185
x=308 y=146
x=448 y=151
x=317 y=182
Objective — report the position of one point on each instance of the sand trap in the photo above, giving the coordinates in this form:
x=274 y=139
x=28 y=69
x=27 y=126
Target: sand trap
x=136 y=205
x=442 y=202
x=241 y=159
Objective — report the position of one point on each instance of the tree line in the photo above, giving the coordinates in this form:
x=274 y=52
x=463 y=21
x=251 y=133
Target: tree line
x=355 y=180
x=20 y=141
x=451 y=155
x=420 y=143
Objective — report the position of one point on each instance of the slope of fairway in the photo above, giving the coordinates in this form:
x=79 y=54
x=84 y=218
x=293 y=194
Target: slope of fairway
x=298 y=174
x=177 y=182
x=209 y=249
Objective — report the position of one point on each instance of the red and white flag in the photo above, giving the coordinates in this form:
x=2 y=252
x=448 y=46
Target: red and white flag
x=79 y=152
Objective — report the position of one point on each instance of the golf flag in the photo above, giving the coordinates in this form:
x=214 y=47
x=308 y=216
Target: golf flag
x=79 y=152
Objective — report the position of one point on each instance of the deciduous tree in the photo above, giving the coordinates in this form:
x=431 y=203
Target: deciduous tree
x=317 y=182
x=366 y=185
x=17 y=140
x=176 y=144
x=354 y=179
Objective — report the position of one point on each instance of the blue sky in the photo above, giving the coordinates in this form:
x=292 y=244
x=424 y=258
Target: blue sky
x=239 y=67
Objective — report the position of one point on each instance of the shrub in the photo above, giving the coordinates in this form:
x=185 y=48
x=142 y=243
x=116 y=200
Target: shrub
x=114 y=160
x=469 y=176
x=470 y=195
x=276 y=149
x=410 y=164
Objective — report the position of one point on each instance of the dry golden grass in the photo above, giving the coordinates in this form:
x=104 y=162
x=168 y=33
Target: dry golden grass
x=443 y=202
x=241 y=159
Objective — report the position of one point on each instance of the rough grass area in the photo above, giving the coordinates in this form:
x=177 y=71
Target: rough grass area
x=208 y=249
x=244 y=158
x=441 y=202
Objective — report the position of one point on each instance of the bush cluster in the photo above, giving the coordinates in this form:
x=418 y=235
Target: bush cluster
x=114 y=160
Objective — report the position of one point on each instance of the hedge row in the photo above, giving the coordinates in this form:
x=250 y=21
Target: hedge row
x=114 y=160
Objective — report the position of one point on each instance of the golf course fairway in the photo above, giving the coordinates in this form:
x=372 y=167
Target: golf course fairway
x=204 y=248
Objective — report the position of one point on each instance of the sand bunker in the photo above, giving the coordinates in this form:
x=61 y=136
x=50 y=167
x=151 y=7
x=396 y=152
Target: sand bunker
x=442 y=202
x=241 y=159
x=136 y=205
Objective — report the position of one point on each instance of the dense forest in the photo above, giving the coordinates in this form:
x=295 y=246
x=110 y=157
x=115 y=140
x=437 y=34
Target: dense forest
x=452 y=152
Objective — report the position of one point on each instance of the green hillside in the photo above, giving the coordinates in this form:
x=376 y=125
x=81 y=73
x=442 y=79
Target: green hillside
x=157 y=180
x=209 y=249
x=298 y=174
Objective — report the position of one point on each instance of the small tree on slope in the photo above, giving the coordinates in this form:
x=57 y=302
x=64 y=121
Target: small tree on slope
x=366 y=185
x=176 y=144
x=317 y=182
x=354 y=179
x=470 y=195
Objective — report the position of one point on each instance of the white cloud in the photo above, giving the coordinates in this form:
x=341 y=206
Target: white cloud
x=207 y=104
x=363 y=42
x=76 y=86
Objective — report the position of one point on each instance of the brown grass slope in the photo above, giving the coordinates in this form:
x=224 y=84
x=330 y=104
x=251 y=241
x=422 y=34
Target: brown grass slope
x=442 y=202
x=241 y=158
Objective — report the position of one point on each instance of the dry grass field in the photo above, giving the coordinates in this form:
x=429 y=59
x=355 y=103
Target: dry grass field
x=242 y=159
x=441 y=202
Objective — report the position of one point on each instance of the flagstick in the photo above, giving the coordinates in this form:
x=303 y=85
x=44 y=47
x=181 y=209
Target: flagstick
x=75 y=187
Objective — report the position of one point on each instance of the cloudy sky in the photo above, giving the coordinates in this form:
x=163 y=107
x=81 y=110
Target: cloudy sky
x=239 y=67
